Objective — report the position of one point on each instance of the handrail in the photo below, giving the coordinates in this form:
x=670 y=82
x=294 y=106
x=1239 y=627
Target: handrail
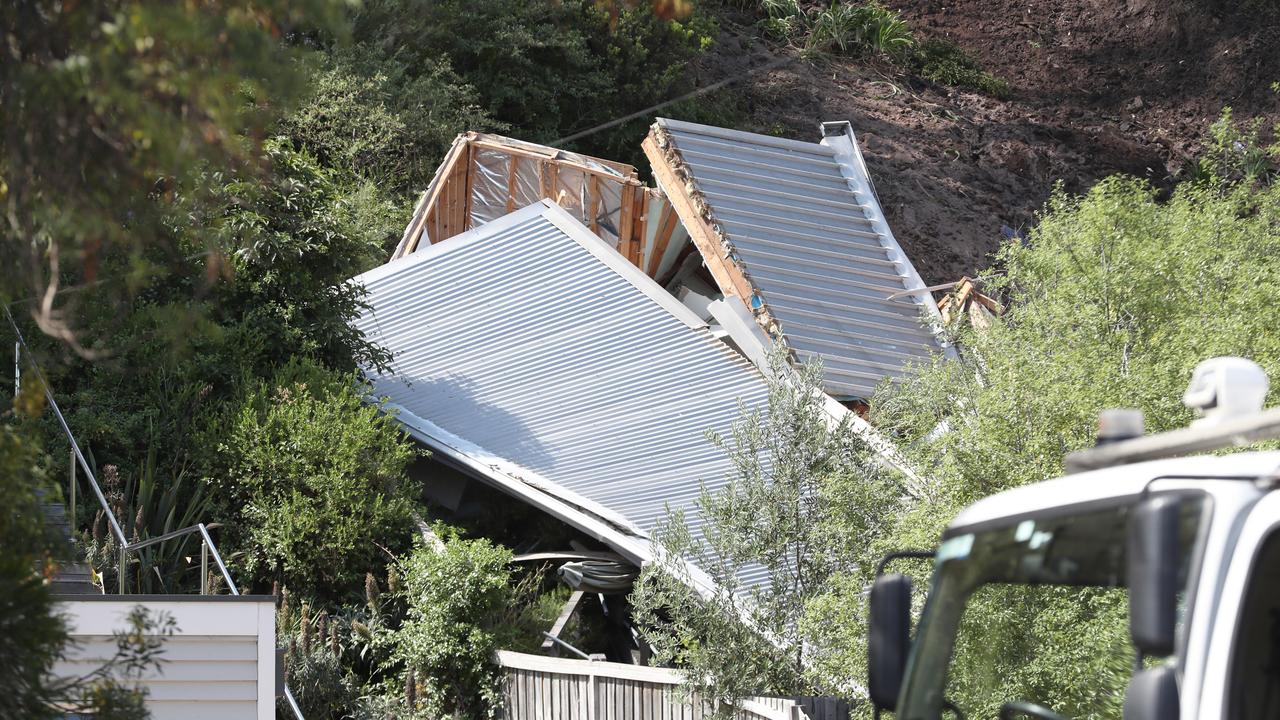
x=66 y=429
x=207 y=545
x=125 y=545
x=293 y=704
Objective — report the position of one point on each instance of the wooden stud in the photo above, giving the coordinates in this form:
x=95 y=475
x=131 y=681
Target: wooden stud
x=464 y=207
x=593 y=202
x=544 y=180
x=626 y=215
x=726 y=273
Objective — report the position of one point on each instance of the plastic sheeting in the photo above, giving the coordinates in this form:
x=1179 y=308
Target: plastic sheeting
x=496 y=190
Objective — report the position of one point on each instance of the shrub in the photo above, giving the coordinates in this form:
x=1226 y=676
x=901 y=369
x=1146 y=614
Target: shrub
x=461 y=602
x=313 y=481
x=374 y=119
x=945 y=63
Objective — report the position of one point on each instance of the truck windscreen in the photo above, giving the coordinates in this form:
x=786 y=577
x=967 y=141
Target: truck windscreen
x=1033 y=611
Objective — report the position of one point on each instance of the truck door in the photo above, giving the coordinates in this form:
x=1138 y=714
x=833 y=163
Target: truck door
x=1243 y=669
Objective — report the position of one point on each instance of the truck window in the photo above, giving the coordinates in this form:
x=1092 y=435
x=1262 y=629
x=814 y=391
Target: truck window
x=1035 y=610
x=1255 y=662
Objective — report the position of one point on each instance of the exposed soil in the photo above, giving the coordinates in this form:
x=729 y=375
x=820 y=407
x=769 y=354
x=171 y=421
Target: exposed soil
x=1098 y=87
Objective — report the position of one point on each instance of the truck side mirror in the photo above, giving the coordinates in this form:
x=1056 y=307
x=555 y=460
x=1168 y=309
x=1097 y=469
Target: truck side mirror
x=1153 y=574
x=1152 y=695
x=889 y=639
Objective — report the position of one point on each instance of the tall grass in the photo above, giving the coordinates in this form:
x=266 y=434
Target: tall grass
x=862 y=29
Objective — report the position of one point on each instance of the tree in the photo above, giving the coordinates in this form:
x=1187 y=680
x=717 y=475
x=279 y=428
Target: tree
x=801 y=506
x=314 y=481
x=1114 y=299
x=108 y=109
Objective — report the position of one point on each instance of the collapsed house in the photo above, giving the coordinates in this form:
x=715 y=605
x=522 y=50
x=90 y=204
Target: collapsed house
x=530 y=355
x=566 y=335
x=790 y=232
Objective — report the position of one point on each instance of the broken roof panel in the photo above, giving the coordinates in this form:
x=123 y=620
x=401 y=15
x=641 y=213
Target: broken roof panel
x=534 y=356
x=795 y=231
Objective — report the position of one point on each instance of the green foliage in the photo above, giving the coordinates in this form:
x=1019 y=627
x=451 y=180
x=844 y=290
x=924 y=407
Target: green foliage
x=148 y=504
x=109 y=107
x=864 y=29
x=293 y=244
x=545 y=68
x=313 y=480
x=374 y=118
x=945 y=63
x=461 y=602
x=34 y=633
x=1113 y=301
x=802 y=504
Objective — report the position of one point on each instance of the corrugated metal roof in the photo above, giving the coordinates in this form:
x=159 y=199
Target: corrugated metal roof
x=803 y=223
x=533 y=354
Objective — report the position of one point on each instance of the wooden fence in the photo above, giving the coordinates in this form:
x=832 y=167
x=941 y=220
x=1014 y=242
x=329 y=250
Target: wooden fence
x=537 y=687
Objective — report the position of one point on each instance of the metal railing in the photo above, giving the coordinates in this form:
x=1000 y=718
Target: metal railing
x=21 y=349
x=207 y=547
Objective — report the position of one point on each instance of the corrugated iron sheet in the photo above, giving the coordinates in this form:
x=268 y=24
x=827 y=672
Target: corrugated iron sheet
x=803 y=223
x=539 y=353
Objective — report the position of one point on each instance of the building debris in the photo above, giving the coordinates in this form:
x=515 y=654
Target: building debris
x=569 y=336
x=793 y=230
x=532 y=356
x=966 y=302
x=484 y=177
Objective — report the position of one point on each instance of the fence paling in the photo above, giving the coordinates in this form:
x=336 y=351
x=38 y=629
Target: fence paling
x=537 y=686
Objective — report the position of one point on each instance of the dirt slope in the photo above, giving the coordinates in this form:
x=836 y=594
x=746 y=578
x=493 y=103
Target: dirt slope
x=1098 y=87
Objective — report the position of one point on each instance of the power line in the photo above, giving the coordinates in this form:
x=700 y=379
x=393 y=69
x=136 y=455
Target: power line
x=700 y=91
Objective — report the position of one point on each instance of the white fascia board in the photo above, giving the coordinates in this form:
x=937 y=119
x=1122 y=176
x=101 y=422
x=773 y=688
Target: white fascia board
x=853 y=167
x=746 y=333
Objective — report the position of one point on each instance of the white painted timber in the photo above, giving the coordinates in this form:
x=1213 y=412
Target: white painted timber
x=220 y=663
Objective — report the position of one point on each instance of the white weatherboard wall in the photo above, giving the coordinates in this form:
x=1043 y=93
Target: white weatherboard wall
x=219 y=663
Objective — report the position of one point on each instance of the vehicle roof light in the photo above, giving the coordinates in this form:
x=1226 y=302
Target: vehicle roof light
x=1224 y=388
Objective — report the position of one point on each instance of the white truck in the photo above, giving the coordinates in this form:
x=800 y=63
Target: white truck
x=1192 y=540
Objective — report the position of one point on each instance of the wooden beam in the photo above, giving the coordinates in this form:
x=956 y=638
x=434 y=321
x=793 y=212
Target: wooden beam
x=666 y=228
x=593 y=202
x=724 y=270
x=640 y=219
x=428 y=206
x=551 y=156
x=566 y=612
x=626 y=215
x=469 y=169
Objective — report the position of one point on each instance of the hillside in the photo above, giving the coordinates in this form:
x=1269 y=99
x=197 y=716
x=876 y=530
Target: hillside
x=1096 y=88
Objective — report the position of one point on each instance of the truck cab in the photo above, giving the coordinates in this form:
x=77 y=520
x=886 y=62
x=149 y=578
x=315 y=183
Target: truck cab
x=1184 y=551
